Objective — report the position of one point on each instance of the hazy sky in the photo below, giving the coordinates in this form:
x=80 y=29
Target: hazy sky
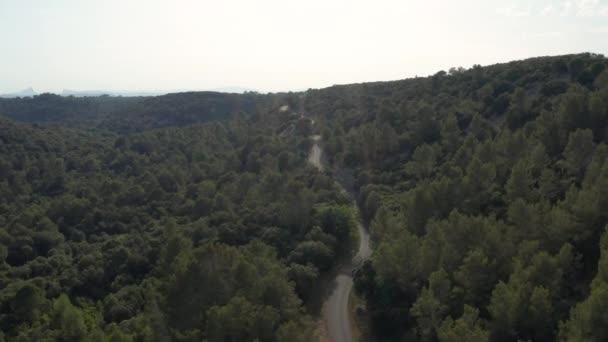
x=274 y=45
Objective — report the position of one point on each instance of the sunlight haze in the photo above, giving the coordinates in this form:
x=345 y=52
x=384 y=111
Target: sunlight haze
x=274 y=45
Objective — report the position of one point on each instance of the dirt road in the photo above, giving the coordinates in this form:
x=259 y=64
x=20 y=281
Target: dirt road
x=335 y=308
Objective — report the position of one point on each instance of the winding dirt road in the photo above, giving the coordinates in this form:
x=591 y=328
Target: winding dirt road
x=336 y=315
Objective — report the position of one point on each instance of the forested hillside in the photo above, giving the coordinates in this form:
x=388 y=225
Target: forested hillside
x=195 y=216
x=216 y=231
x=130 y=114
x=487 y=193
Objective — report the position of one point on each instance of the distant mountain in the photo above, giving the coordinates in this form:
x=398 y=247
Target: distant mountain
x=234 y=90
x=92 y=93
x=29 y=92
x=129 y=113
x=179 y=109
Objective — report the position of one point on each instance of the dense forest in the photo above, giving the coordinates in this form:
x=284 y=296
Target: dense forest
x=487 y=192
x=216 y=231
x=130 y=114
x=195 y=216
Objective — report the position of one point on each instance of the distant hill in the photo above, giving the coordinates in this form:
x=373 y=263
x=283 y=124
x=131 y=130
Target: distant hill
x=180 y=109
x=92 y=93
x=234 y=90
x=128 y=114
x=127 y=93
x=28 y=92
x=67 y=111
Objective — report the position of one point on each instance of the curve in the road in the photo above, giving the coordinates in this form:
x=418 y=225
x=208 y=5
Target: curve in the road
x=335 y=308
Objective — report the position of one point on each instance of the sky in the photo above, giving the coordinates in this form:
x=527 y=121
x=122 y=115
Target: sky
x=276 y=45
